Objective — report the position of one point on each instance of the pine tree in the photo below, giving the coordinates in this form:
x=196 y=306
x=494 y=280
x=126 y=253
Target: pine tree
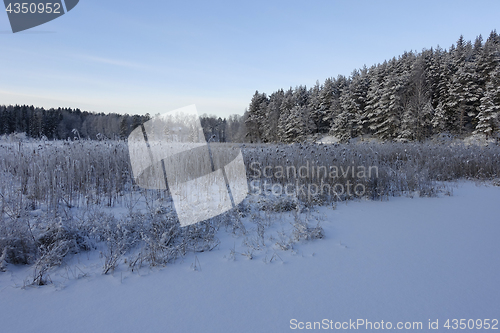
x=444 y=71
x=489 y=114
x=418 y=111
x=439 y=123
x=387 y=111
x=348 y=121
x=464 y=91
x=124 y=131
x=286 y=106
x=314 y=106
x=256 y=116
x=358 y=90
x=330 y=102
x=374 y=109
x=344 y=127
x=298 y=125
x=301 y=95
x=269 y=133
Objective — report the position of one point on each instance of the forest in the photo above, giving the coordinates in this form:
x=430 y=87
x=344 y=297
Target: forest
x=409 y=98
x=74 y=124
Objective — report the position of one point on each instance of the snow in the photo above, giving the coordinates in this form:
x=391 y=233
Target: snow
x=328 y=139
x=399 y=260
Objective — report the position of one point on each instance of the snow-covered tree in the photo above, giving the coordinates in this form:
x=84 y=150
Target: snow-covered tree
x=298 y=125
x=418 y=110
x=347 y=122
x=413 y=97
x=286 y=106
x=489 y=114
x=256 y=116
x=314 y=106
x=374 y=107
x=269 y=126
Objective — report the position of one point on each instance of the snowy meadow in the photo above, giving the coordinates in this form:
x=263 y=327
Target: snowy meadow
x=78 y=235
x=61 y=198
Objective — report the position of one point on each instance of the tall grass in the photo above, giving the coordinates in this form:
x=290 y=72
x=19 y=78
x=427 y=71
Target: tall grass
x=396 y=168
x=70 y=173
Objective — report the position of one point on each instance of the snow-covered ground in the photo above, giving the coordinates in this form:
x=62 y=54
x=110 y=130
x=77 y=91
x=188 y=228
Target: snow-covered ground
x=402 y=260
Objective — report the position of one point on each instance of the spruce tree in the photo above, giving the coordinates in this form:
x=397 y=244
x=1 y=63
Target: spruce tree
x=489 y=114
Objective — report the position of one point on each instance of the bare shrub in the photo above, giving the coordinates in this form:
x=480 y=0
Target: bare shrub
x=17 y=243
x=303 y=231
x=119 y=236
x=50 y=255
x=3 y=261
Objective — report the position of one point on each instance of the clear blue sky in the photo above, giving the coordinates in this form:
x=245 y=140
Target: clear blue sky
x=155 y=56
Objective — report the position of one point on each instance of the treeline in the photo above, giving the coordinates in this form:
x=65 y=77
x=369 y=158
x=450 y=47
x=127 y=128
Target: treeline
x=66 y=123
x=217 y=129
x=412 y=97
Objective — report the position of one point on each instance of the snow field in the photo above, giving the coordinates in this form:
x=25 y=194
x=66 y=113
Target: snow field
x=398 y=260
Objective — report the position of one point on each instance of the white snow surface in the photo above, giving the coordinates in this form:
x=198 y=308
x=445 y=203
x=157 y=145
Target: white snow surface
x=398 y=260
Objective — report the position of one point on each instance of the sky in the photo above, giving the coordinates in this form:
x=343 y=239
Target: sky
x=155 y=56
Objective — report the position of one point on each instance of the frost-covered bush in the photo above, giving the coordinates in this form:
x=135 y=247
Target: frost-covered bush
x=118 y=235
x=268 y=202
x=49 y=256
x=56 y=232
x=3 y=261
x=302 y=231
x=54 y=241
x=17 y=243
